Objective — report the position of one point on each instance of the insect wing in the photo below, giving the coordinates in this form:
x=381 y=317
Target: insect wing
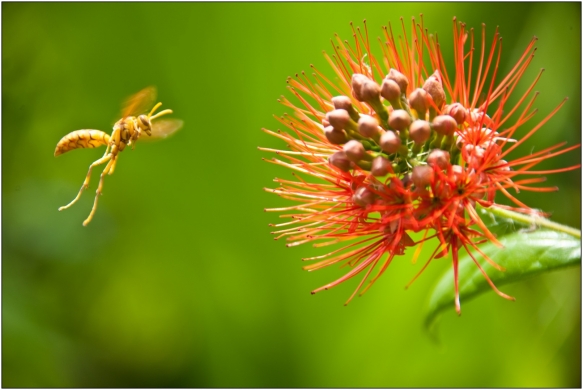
x=163 y=128
x=139 y=103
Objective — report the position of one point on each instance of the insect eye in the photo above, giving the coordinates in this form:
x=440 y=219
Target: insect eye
x=144 y=121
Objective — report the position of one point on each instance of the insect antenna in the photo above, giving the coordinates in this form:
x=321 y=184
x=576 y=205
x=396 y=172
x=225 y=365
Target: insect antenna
x=158 y=115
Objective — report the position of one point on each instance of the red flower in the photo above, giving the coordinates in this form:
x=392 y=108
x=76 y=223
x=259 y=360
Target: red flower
x=397 y=145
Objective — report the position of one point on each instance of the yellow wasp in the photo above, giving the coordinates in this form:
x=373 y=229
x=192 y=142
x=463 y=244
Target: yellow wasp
x=126 y=131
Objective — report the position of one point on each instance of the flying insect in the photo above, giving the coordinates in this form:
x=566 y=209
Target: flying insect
x=126 y=132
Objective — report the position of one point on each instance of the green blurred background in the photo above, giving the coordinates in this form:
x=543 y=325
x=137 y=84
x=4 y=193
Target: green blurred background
x=177 y=281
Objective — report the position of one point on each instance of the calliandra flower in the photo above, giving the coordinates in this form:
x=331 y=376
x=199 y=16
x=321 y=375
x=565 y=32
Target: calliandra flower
x=395 y=144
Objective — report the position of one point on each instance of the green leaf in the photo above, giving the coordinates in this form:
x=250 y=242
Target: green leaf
x=523 y=255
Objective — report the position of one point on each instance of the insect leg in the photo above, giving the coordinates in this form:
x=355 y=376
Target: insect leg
x=107 y=150
x=114 y=153
x=113 y=166
x=86 y=182
x=115 y=148
x=98 y=192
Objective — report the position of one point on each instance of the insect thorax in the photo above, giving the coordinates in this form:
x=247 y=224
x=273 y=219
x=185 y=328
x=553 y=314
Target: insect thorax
x=126 y=128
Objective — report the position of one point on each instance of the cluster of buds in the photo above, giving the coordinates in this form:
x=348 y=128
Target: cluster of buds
x=404 y=134
x=400 y=152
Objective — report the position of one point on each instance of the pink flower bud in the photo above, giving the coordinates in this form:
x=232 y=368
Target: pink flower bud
x=370 y=91
x=399 y=119
x=368 y=126
x=476 y=158
x=390 y=90
x=358 y=81
x=457 y=172
x=380 y=166
x=399 y=78
x=363 y=197
x=503 y=166
x=365 y=89
x=339 y=119
x=406 y=180
x=438 y=159
x=478 y=116
x=457 y=112
x=390 y=142
x=339 y=160
x=434 y=88
x=354 y=150
x=419 y=131
x=422 y=176
x=336 y=137
x=344 y=103
x=418 y=101
x=444 y=125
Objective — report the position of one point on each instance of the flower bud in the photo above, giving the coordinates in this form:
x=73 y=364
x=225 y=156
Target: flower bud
x=419 y=131
x=457 y=111
x=357 y=82
x=478 y=116
x=438 y=158
x=339 y=119
x=390 y=142
x=502 y=166
x=422 y=176
x=354 y=150
x=406 y=181
x=457 y=169
x=336 y=137
x=368 y=126
x=370 y=91
x=418 y=101
x=390 y=90
x=457 y=172
x=434 y=88
x=344 y=103
x=365 y=89
x=399 y=78
x=475 y=156
x=380 y=166
x=399 y=119
x=339 y=160
x=444 y=125
x=363 y=197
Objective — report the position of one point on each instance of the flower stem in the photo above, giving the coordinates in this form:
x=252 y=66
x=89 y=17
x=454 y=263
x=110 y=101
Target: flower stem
x=532 y=220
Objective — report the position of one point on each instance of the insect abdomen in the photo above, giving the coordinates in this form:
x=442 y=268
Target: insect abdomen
x=81 y=139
